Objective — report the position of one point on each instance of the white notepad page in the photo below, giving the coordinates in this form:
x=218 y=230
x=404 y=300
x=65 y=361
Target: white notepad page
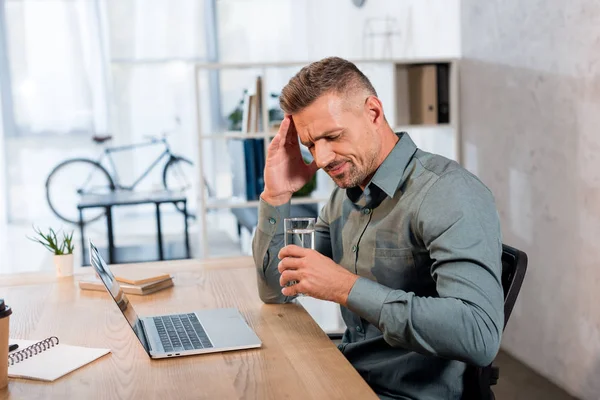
x=54 y=362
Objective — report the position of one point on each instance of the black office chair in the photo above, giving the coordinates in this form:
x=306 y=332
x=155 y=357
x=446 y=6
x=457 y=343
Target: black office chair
x=478 y=380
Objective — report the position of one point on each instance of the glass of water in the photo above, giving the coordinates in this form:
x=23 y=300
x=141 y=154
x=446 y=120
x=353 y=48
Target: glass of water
x=301 y=232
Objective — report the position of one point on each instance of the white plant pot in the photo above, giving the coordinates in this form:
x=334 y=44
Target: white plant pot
x=64 y=265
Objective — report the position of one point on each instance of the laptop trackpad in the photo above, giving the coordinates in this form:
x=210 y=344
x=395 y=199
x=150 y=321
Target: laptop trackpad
x=226 y=328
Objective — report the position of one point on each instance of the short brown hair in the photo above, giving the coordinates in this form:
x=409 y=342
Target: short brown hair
x=332 y=74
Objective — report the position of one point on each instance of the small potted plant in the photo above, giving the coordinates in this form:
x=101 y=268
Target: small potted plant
x=61 y=247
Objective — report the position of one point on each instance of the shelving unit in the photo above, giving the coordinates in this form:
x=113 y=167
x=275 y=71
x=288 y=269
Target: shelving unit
x=392 y=89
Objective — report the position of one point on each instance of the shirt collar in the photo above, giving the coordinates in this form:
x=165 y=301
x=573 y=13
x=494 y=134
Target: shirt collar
x=390 y=174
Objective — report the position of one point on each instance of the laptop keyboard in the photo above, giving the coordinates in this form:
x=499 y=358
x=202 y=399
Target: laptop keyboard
x=181 y=332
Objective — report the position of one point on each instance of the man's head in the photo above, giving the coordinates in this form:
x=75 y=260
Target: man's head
x=337 y=115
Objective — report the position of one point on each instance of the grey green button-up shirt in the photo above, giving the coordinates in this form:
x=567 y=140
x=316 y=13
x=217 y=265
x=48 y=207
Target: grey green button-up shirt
x=425 y=239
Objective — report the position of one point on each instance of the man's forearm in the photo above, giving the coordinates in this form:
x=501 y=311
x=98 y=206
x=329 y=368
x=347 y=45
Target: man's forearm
x=444 y=327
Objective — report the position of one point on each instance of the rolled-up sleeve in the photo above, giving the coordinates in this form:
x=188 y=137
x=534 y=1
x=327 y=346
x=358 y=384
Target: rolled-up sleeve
x=459 y=225
x=267 y=241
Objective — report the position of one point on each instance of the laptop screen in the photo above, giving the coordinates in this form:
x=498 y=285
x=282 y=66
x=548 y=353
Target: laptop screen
x=113 y=287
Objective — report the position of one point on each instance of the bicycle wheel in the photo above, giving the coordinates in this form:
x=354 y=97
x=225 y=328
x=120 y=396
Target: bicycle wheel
x=178 y=176
x=71 y=179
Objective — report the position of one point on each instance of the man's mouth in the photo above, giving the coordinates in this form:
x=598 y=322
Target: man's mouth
x=337 y=168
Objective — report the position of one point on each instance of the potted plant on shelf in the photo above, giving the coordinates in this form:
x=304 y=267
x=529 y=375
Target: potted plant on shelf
x=61 y=247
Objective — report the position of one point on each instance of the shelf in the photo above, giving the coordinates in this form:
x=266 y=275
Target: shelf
x=238 y=135
x=239 y=203
x=201 y=62
x=242 y=65
x=408 y=128
x=268 y=135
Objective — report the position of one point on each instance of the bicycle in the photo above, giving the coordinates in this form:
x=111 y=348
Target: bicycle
x=98 y=180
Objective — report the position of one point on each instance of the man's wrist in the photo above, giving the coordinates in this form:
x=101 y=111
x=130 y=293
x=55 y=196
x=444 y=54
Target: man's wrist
x=275 y=200
x=346 y=287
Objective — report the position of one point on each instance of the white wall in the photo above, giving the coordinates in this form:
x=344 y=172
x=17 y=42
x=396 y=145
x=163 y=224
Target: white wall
x=279 y=30
x=530 y=97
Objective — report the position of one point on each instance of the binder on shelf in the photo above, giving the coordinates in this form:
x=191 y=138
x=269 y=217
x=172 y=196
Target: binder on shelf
x=429 y=94
x=422 y=88
x=443 y=93
x=252 y=108
x=248 y=180
x=247 y=176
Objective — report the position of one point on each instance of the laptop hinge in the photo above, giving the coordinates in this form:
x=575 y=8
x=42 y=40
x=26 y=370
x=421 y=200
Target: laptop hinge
x=146 y=338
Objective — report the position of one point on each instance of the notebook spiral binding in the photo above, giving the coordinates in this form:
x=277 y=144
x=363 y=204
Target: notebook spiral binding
x=30 y=351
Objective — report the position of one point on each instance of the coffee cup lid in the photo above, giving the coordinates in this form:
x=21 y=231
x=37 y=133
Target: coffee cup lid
x=5 y=310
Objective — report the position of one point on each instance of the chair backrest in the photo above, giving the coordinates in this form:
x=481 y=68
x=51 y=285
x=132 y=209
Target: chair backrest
x=514 y=265
x=477 y=380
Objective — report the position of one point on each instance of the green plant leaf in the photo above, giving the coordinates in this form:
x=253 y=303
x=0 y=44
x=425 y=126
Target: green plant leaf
x=52 y=242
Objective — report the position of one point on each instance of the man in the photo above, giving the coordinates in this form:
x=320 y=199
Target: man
x=408 y=244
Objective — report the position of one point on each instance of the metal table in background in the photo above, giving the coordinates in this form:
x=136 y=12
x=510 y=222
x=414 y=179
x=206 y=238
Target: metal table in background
x=129 y=198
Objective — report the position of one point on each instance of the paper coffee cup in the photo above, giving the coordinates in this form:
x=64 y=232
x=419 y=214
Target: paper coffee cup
x=5 y=312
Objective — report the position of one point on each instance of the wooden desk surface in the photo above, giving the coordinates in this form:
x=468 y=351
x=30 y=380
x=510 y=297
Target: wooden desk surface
x=297 y=360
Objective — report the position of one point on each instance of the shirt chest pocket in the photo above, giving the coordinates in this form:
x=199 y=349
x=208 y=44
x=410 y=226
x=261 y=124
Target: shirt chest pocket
x=395 y=268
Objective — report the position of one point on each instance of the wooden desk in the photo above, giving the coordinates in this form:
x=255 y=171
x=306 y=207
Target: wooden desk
x=297 y=360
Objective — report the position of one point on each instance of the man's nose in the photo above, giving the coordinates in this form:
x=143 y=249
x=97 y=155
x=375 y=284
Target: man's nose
x=323 y=154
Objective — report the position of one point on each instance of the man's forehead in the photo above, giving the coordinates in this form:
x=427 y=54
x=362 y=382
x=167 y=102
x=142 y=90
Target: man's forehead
x=323 y=115
x=315 y=128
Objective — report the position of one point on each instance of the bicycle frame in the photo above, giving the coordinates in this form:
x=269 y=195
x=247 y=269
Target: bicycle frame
x=110 y=150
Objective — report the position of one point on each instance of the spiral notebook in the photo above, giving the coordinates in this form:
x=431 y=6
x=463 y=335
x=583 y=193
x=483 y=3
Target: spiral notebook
x=48 y=360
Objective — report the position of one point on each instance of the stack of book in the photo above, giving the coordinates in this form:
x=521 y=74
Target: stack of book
x=132 y=280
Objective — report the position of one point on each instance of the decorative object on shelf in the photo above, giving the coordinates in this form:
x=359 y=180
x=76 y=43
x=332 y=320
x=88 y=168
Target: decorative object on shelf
x=61 y=247
x=359 y=3
x=380 y=31
x=236 y=117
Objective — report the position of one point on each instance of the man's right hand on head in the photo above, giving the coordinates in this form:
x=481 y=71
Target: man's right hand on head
x=285 y=169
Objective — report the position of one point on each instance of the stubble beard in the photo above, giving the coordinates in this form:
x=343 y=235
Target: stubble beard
x=354 y=176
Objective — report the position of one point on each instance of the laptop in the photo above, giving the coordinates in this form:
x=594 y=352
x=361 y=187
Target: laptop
x=176 y=335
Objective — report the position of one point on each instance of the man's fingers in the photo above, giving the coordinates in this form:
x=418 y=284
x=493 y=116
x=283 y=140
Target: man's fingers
x=293 y=290
x=292 y=135
x=289 y=276
x=283 y=131
x=275 y=143
x=284 y=128
x=292 y=251
x=289 y=263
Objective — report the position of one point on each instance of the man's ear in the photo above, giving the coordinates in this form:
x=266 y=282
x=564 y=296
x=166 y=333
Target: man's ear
x=374 y=110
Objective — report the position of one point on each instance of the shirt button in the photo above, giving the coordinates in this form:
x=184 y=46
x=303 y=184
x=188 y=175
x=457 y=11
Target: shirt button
x=354 y=248
x=358 y=329
x=367 y=211
x=272 y=221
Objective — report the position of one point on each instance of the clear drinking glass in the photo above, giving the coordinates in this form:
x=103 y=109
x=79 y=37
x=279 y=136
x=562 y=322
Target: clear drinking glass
x=301 y=232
